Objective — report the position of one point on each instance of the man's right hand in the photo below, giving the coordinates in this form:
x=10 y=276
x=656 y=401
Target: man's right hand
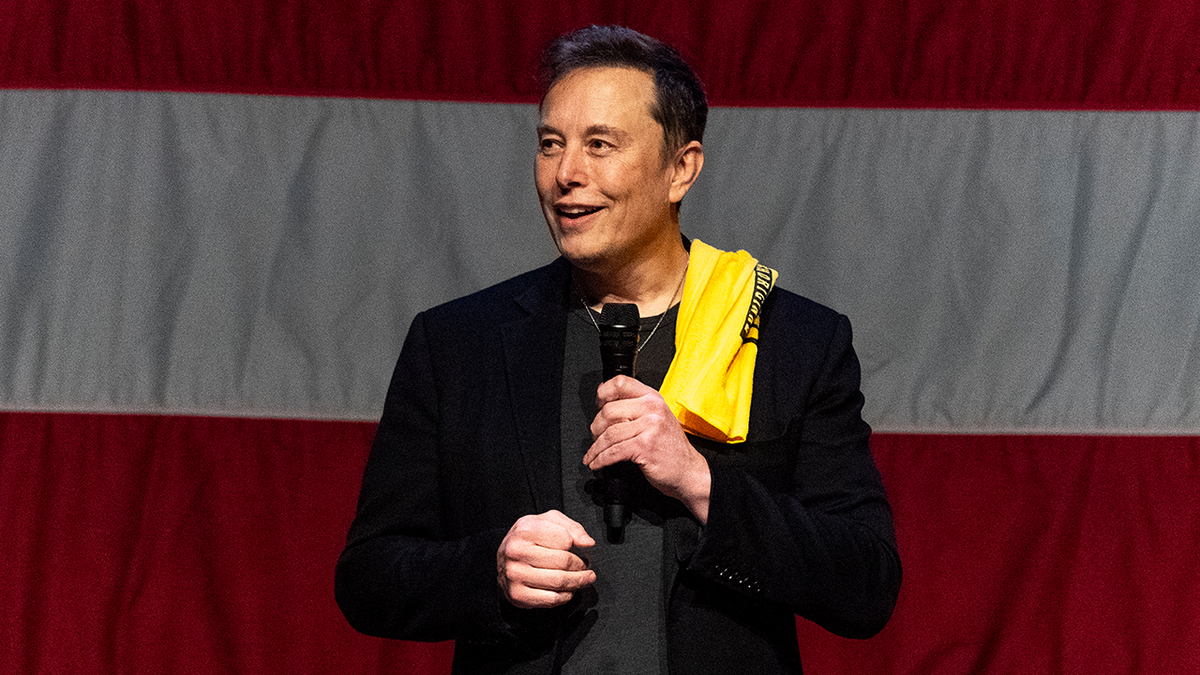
x=535 y=566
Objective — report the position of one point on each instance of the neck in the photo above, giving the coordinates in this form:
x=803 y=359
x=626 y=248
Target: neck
x=653 y=283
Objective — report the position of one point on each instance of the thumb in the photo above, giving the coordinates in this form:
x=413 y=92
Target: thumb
x=579 y=536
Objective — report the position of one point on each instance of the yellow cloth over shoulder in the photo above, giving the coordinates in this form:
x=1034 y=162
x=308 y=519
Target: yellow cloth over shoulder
x=710 y=381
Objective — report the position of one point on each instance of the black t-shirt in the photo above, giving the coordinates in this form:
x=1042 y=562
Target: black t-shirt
x=618 y=625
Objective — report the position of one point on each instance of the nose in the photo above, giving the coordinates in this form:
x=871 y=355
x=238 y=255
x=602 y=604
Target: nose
x=572 y=168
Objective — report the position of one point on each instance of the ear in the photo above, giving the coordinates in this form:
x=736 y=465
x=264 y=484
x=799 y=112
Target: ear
x=685 y=169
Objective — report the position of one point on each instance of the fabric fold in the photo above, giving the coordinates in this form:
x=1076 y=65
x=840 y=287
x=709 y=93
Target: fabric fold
x=711 y=379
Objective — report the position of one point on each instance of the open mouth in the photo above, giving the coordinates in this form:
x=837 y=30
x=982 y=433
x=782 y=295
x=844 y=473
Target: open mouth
x=571 y=212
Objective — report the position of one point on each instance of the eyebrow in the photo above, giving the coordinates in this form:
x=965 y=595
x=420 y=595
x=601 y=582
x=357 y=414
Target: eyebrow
x=603 y=130
x=594 y=130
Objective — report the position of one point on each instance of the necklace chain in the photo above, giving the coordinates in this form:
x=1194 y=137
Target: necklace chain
x=642 y=343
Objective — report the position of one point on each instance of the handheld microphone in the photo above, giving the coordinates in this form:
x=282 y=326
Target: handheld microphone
x=619 y=327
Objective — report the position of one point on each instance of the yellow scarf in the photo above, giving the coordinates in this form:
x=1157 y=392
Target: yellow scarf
x=709 y=383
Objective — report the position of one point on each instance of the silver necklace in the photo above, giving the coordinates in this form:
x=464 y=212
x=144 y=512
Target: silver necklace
x=642 y=343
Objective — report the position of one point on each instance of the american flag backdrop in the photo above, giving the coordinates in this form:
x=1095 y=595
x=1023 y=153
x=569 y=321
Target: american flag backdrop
x=217 y=219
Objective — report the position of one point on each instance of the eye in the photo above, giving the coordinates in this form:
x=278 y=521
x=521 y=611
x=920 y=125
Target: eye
x=547 y=145
x=599 y=145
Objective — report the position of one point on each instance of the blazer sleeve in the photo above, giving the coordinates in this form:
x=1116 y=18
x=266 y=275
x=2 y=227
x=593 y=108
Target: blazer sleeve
x=801 y=520
x=402 y=574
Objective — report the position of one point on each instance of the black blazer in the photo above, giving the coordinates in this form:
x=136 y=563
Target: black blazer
x=469 y=442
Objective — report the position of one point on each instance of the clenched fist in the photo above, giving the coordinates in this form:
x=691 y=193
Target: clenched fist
x=535 y=566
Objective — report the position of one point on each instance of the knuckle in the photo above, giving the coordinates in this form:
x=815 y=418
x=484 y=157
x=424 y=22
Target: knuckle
x=510 y=572
x=515 y=551
x=564 y=581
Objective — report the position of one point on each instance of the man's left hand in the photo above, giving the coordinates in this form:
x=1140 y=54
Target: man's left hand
x=634 y=424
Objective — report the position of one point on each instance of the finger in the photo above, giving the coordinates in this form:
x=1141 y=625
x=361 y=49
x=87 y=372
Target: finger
x=545 y=529
x=611 y=431
x=577 y=533
x=624 y=410
x=620 y=387
x=619 y=442
x=530 y=597
x=557 y=581
x=621 y=409
x=530 y=587
x=544 y=558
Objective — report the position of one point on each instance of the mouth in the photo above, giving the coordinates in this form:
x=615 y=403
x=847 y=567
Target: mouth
x=571 y=212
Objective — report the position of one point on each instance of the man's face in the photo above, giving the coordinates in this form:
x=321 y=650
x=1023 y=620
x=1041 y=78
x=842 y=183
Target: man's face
x=601 y=177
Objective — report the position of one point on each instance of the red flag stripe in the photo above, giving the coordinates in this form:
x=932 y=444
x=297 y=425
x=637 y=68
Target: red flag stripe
x=206 y=545
x=1057 y=54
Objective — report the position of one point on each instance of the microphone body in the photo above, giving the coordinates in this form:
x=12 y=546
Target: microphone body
x=620 y=325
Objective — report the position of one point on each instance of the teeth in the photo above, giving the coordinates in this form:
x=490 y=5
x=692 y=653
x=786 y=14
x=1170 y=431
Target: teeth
x=577 y=210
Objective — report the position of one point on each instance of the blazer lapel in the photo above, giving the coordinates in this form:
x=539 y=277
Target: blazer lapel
x=533 y=353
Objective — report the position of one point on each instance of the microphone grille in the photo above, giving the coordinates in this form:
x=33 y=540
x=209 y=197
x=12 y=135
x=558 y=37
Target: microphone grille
x=619 y=314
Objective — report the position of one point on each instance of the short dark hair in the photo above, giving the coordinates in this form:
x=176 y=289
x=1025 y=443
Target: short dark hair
x=680 y=105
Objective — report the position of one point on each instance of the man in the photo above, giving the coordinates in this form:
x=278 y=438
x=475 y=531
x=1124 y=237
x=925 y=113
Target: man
x=479 y=518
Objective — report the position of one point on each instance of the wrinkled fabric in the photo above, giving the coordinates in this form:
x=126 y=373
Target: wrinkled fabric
x=1005 y=270
x=710 y=383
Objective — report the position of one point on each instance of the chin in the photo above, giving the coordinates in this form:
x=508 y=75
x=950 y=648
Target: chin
x=582 y=258
x=573 y=247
